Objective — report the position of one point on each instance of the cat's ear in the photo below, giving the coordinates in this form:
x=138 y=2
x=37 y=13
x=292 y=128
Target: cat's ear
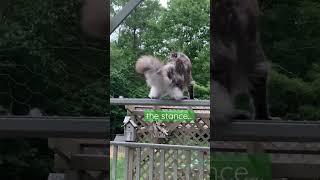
x=174 y=55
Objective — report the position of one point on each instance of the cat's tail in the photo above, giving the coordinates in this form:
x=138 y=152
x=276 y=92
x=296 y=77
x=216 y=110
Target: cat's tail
x=148 y=63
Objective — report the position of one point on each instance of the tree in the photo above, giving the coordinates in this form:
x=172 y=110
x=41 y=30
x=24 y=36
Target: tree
x=183 y=26
x=46 y=62
x=291 y=41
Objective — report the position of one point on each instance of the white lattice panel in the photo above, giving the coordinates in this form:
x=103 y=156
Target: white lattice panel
x=177 y=164
x=196 y=134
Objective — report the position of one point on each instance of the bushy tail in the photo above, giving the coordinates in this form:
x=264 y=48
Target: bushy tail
x=148 y=63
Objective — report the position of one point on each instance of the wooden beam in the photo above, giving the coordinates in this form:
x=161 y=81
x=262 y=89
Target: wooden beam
x=159 y=146
x=45 y=127
x=125 y=11
x=269 y=147
x=89 y=162
x=276 y=131
x=158 y=102
x=295 y=170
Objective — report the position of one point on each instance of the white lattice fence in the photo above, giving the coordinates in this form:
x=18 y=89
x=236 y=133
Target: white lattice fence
x=162 y=161
x=166 y=163
x=195 y=134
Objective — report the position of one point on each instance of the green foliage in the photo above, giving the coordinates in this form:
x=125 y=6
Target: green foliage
x=183 y=26
x=46 y=62
x=293 y=98
x=45 y=58
x=290 y=34
x=203 y=92
x=22 y=159
x=291 y=40
x=177 y=28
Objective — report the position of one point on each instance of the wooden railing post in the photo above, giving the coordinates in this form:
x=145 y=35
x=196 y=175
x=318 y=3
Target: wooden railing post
x=114 y=162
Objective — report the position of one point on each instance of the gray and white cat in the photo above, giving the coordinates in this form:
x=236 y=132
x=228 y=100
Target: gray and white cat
x=171 y=79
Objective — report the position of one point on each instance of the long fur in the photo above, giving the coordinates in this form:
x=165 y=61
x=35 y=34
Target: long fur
x=170 y=79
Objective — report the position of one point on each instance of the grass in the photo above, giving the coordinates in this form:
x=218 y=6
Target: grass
x=120 y=171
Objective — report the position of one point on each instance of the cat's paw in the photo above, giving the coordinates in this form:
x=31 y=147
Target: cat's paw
x=153 y=97
x=176 y=94
x=178 y=99
x=154 y=93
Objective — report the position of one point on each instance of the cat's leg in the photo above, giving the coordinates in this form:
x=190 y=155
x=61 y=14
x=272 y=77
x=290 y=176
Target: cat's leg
x=154 y=93
x=176 y=93
x=190 y=91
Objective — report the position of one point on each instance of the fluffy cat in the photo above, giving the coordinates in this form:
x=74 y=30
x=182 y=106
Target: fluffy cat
x=171 y=79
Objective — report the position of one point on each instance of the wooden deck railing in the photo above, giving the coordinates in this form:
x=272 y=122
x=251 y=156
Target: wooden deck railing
x=133 y=171
x=298 y=159
x=47 y=126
